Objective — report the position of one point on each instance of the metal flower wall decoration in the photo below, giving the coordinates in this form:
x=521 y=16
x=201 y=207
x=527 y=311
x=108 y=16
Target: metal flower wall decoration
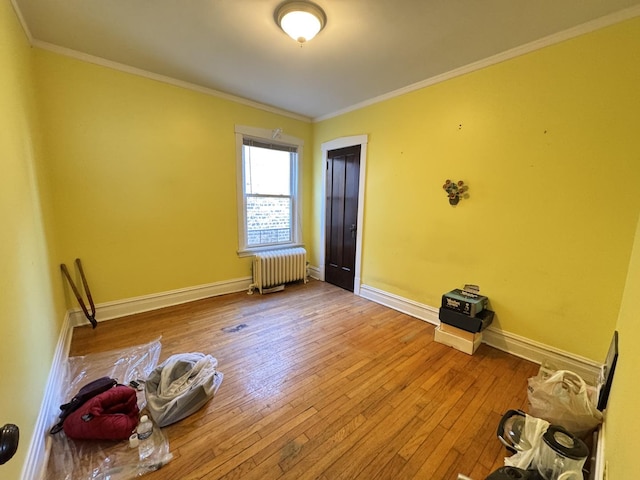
x=456 y=191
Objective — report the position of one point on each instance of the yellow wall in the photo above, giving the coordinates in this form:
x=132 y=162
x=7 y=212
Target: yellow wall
x=29 y=316
x=137 y=178
x=623 y=422
x=145 y=177
x=548 y=145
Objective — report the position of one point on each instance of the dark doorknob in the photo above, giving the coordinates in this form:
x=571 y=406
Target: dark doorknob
x=9 y=436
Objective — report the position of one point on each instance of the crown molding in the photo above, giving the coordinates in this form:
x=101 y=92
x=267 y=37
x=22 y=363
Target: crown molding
x=67 y=52
x=85 y=57
x=22 y=21
x=547 y=41
x=539 y=44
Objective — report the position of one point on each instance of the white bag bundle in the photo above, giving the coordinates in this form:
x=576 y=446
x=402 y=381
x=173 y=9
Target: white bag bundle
x=562 y=398
x=534 y=429
x=180 y=386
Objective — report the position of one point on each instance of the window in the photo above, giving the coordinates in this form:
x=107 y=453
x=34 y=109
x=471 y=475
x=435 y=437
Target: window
x=268 y=179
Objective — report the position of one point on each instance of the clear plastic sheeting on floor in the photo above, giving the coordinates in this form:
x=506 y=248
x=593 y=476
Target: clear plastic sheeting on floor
x=107 y=460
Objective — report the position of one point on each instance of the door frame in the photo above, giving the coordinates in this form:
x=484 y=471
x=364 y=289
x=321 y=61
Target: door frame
x=335 y=144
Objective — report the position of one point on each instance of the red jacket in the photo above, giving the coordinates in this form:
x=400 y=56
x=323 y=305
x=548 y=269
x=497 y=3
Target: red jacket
x=112 y=415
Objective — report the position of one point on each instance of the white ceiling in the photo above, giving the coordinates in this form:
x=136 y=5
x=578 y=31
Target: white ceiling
x=368 y=48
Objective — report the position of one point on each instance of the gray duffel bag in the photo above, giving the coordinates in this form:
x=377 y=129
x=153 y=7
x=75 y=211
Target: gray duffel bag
x=180 y=386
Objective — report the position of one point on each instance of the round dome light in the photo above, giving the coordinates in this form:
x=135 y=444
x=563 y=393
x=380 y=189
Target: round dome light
x=300 y=20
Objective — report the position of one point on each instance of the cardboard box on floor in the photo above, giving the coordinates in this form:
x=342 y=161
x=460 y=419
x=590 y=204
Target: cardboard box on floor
x=462 y=340
x=458 y=332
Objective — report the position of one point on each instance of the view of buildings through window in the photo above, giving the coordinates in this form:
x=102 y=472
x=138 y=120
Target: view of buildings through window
x=268 y=195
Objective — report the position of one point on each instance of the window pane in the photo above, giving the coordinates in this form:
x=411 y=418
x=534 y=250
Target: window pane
x=268 y=220
x=266 y=171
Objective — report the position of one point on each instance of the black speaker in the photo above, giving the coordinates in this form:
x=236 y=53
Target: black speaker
x=9 y=437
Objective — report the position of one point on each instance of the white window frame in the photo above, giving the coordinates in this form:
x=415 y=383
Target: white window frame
x=276 y=137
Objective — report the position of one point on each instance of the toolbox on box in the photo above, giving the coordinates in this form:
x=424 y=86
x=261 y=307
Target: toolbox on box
x=464 y=301
x=464 y=322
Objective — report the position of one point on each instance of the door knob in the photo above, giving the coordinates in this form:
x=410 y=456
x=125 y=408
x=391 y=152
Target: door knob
x=9 y=436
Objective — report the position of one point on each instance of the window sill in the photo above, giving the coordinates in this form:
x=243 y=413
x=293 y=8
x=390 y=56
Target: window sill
x=249 y=252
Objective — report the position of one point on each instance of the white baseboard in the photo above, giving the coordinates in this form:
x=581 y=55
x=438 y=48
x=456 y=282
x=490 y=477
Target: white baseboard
x=514 y=344
x=401 y=304
x=315 y=273
x=538 y=352
x=40 y=445
x=130 y=306
x=600 y=466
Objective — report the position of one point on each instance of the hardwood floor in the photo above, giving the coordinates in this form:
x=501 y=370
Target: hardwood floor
x=322 y=384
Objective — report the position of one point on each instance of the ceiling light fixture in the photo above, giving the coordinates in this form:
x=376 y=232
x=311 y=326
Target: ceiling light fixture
x=301 y=20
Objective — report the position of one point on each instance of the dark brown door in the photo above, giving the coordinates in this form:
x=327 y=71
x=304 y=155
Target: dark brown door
x=343 y=176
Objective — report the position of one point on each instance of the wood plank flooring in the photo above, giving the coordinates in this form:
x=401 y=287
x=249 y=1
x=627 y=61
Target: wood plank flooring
x=322 y=384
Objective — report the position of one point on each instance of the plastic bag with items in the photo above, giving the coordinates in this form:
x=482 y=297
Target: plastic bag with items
x=180 y=386
x=96 y=459
x=563 y=398
x=522 y=435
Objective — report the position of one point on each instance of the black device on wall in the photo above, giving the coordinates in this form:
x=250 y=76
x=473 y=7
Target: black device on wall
x=9 y=437
x=609 y=369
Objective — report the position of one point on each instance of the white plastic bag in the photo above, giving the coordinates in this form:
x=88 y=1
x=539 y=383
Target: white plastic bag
x=180 y=386
x=534 y=429
x=562 y=398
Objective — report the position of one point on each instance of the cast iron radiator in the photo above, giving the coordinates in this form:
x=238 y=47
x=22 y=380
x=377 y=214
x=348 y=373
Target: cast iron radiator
x=273 y=268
